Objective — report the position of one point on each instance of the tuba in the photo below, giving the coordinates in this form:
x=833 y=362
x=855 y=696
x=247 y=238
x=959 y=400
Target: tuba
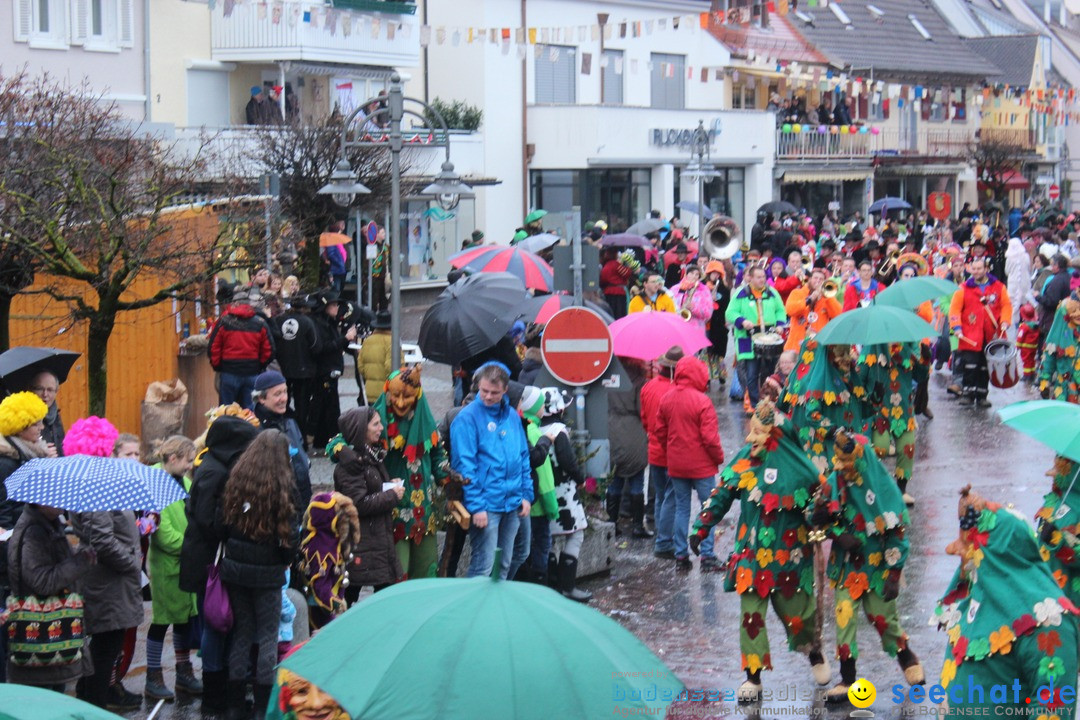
x=720 y=238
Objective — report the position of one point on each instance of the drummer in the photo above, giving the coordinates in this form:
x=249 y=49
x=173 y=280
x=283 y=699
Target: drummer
x=979 y=312
x=809 y=309
x=756 y=309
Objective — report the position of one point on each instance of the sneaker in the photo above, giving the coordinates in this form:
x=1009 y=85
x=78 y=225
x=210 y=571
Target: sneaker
x=120 y=699
x=664 y=554
x=710 y=564
x=682 y=563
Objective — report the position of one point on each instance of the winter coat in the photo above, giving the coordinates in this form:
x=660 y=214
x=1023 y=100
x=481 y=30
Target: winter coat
x=112 y=587
x=296 y=344
x=490 y=449
x=301 y=464
x=375 y=363
x=360 y=476
x=240 y=343
x=614 y=277
x=43 y=563
x=226 y=439
x=10 y=510
x=853 y=295
x=1055 y=291
x=531 y=366
x=53 y=432
x=629 y=443
x=564 y=465
x=336 y=256
x=332 y=344
x=700 y=304
x=662 y=302
x=805 y=317
x=968 y=316
x=744 y=306
x=170 y=605
x=1018 y=273
x=259 y=564
x=651 y=394
x=686 y=424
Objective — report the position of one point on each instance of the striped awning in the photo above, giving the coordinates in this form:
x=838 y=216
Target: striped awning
x=366 y=72
x=812 y=175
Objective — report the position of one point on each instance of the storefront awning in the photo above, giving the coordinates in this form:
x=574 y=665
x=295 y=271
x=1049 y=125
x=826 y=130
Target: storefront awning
x=927 y=169
x=367 y=72
x=1013 y=181
x=826 y=175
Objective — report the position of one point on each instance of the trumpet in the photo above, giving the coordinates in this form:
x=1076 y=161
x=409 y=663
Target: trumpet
x=685 y=315
x=831 y=288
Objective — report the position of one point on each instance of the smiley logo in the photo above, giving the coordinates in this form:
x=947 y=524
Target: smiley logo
x=862 y=693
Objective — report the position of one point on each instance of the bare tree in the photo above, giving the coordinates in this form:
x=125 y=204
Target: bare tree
x=304 y=156
x=88 y=202
x=996 y=159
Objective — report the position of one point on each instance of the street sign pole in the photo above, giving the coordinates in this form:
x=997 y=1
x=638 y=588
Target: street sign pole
x=580 y=435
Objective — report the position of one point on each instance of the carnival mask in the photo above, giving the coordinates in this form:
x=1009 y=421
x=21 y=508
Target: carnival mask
x=761 y=427
x=1072 y=311
x=845 y=452
x=969 y=511
x=1063 y=467
x=302 y=700
x=840 y=356
x=402 y=391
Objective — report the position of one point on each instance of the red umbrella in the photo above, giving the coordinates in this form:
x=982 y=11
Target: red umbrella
x=529 y=268
x=540 y=308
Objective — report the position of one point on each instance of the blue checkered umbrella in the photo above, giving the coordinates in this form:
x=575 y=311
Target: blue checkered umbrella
x=82 y=483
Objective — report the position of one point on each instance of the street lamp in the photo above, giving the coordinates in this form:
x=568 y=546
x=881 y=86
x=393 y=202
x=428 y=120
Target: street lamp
x=447 y=188
x=700 y=169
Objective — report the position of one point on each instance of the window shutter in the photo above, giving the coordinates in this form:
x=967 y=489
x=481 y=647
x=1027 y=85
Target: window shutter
x=885 y=109
x=927 y=107
x=125 y=18
x=24 y=19
x=863 y=106
x=80 y=21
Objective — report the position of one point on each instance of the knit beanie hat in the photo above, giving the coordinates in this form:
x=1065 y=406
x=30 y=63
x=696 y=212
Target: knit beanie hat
x=268 y=379
x=531 y=403
x=20 y=411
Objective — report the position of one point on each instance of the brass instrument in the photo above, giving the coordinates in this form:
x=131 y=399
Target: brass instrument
x=831 y=288
x=687 y=301
x=720 y=238
x=889 y=265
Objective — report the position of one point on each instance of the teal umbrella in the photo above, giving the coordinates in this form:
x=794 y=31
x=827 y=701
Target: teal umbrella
x=910 y=294
x=25 y=702
x=875 y=324
x=1054 y=423
x=480 y=648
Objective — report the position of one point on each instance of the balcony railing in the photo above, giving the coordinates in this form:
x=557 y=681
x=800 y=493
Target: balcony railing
x=310 y=30
x=816 y=146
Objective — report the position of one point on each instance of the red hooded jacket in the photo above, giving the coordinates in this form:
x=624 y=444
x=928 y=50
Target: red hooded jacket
x=651 y=394
x=686 y=424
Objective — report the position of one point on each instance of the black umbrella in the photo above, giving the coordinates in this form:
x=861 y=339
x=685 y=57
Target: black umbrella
x=778 y=207
x=470 y=316
x=19 y=365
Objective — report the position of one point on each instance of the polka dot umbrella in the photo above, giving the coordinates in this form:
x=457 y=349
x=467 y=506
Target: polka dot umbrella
x=529 y=268
x=81 y=483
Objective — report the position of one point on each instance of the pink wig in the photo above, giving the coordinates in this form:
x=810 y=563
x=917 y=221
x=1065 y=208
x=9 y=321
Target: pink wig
x=91 y=436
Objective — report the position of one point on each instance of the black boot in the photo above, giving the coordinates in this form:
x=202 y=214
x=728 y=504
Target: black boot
x=262 y=699
x=611 y=505
x=214 y=700
x=236 y=696
x=838 y=693
x=553 y=571
x=637 y=514
x=568 y=580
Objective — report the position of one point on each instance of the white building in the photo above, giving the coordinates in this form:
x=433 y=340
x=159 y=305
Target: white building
x=589 y=108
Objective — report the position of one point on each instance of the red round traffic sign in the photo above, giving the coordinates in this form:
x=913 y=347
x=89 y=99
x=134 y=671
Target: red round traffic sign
x=1054 y=192
x=577 y=346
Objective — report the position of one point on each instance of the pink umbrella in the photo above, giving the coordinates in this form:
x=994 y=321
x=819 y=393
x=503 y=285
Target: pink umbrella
x=648 y=335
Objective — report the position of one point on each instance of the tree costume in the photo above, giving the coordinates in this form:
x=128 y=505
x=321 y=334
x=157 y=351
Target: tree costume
x=415 y=455
x=822 y=393
x=1060 y=364
x=889 y=372
x=1058 y=522
x=1007 y=620
x=774 y=483
x=868 y=554
x=330 y=531
x=293 y=697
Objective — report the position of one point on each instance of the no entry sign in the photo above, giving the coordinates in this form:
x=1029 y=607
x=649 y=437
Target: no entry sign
x=577 y=346
x=1054 y=192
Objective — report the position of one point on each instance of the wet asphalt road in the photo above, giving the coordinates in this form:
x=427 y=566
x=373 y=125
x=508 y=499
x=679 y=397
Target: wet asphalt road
x=692 y=624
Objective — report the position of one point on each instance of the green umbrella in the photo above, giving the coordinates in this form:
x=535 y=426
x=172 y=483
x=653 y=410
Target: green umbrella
x=1052 y=422
x=534 y=216
x=25 y=702
x=518 y=237
x=480 y=648
x=910 y=294
x=875 y=324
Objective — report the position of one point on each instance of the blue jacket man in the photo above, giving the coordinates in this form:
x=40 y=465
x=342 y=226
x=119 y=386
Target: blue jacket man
x=492 y=453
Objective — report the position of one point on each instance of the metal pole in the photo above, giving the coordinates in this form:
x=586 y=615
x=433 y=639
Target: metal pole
x=394 y=231
x=358 y=261
x=579 y=434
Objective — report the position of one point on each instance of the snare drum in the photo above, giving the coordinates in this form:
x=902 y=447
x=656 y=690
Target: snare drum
x=1002 y=362
x=768 y=345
